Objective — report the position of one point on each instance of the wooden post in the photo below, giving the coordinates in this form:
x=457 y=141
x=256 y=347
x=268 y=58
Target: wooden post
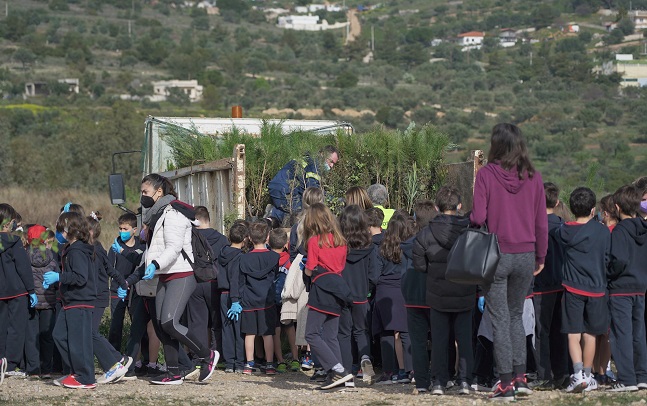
x=238 y=180
x=479 y=162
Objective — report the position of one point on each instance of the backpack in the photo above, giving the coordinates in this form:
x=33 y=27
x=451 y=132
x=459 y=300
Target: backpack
x=204 y=264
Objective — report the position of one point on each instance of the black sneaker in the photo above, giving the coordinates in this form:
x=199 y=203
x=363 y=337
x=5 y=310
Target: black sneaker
x=319 y=376
x=208 y=366
x=142 y=371
x=542 y=384
x=338 y=379
x=502 y=394
x=168 y=379
x=464 y=388
x=153 y=372
x=521 y=386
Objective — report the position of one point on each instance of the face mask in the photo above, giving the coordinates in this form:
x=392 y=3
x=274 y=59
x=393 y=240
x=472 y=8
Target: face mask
x=14 y=226
x=19 y=229
x=643 y=206
x=326 y=166
x=60 y=238
x=125 y=235
x=147 y=202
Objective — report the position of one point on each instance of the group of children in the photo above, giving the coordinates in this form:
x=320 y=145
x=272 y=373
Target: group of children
x=344 y=292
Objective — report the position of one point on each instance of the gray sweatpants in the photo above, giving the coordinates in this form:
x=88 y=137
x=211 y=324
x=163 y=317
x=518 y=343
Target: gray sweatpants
x=505 y=300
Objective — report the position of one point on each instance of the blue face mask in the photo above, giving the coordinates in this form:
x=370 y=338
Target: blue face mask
x=60 y=238
x=125 y=235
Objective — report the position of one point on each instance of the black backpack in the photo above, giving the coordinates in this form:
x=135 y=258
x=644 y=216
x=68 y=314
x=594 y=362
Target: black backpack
x=204 y=263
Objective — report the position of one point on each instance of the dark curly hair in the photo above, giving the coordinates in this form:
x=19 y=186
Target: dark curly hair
x=75 y=225
x=399 y=229
x=354 y=227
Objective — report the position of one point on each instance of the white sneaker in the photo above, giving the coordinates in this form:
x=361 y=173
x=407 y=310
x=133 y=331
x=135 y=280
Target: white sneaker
x=592 y=384
x=619 y=387
x=578 y=383
x=642 y=385
x=113 y=374
x=3 y=369
x=367 y=370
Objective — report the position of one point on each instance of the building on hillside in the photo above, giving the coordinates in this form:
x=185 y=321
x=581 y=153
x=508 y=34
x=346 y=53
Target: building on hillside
x=307 y=23
x=33 y=89
x=72 y=83
x=507 y=37
x=161 y=89
x=471 y=40
x=313 y=8
x=572 y=28
x=639 y=18
x=634 y=72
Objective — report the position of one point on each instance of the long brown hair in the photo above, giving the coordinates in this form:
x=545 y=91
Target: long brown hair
x=358 y=195
x=509 y=148
x=319 y=221
x=354 y=226
x=400 y=229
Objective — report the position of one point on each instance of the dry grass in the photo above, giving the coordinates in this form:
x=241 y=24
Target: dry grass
x=44 y=206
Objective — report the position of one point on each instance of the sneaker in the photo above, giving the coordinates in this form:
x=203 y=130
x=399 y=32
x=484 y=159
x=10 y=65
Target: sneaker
x=59 y=381
x=3 y=369
x=46 y=376
x=307 y=363
x=642 y=385
x=464 y=388
x=126 y=361
x=359 y=374
x=19 y=373
x=154 y=371
x=141 y=371
x=71 y=382
x=438 y=390
x=208 y=366
x=419 y=391
x=450 y=384
x=562 y=383
x=401 y=377
x=521 y=386
x=338 y=379
x=542 y=384
x=282 y=367
x=295 y=366
x=592 y=384
x=192 y=373
x=620 y=387
x=270 y=369
x=502 y=394
x=367 y=370
x=250 y=368
x=229 y=370
x=131 y=375
x=319 y=375
x=113 y=374
x=384 y=379
x=350 y=384
x=482 y=385
x=578 y=383
x=167 y=379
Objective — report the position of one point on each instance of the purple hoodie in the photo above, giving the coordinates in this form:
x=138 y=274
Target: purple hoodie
x=514 y=209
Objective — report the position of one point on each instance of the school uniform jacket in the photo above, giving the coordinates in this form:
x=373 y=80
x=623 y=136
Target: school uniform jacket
x=104 y=273
x=229 y=272
x=15 y=268
x=627 y=272
x=258 y=268
x=125 y=262
x=361 y=272
x=78 y=280
x=172 y=234
x=550 y=278
x=329 y=292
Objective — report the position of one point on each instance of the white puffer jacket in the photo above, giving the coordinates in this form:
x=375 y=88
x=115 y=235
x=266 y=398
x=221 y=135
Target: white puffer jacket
x=172 y=234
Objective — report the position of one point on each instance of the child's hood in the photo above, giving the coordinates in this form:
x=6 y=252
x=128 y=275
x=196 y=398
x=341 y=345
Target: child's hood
x=257 y=264
x=40 y=258
x=227 y=255
x=446 y=229
x=213 y=237
x=578 y=236
x=79 y=246
x=407 y=247
x=357 y=254
x=8 y=241
x=636 y=228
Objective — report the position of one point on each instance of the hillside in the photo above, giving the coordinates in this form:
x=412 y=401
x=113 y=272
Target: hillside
x=582 y=127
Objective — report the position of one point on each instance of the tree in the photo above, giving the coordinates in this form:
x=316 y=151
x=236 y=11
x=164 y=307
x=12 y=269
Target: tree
x=211 y=99
x=346 y=79
x=626 y=26
x=25 y=57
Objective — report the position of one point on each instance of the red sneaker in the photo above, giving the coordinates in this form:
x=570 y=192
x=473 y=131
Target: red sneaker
x=71 y=382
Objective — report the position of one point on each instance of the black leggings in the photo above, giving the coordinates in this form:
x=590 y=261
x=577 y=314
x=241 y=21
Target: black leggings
x=170 y=303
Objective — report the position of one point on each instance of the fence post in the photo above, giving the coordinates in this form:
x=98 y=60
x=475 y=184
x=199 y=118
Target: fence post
x=479 y=161
x=238 y=180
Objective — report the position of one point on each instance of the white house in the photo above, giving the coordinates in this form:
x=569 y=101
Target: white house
x=471 y=38
x=639 y=18
x=507 y=37
x=306 y=23
x=190 y=87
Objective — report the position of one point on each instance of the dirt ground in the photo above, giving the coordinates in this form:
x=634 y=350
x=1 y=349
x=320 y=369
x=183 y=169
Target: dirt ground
x=282 y=389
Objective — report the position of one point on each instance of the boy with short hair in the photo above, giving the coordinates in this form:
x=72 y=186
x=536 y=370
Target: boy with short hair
x=627 y=286
x=233 y=347
x=585 y=244
x=258 y=268
x=375 y=219
x=551 y=345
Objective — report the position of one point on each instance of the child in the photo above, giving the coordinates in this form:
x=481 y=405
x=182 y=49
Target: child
x=279 y=243
x=451 y=303
x=627 y=285
x=389 y=314
x=329 y=293
x=257 y=269
x=203 y=308
x=360 y=273
x=585 y=244
x=233 y=348
x=375 y=218
x=127 y=239
x=16 y=292
x=414 y=292
x=39 y=345
x=77 y=283
x=551 y=344
x=110 y=360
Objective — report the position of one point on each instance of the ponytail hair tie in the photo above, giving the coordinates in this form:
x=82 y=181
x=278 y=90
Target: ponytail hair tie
x=66 y=208
x=94 y=216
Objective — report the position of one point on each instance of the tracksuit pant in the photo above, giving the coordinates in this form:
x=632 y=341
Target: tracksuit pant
x=105 y=353
x=73 y=337
x=627 y=338
x=321 y=335
x=203 y=315
x=18 y=314
x=39 y=344
x=441 y=324
x=353 y=326
x=551 y=346
x=419 y=324
x=233 y=341
x=118 y=310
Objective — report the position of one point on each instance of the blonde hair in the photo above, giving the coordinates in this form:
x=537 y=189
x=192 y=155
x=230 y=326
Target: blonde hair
x=319 y=221
x=357 y=195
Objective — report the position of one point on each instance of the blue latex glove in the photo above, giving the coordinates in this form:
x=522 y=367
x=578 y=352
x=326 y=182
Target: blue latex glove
x=122 y=293
x=234 y=311
x=481 y=303
x=116 y=247
x=45 y=286
x=302 y=264
x=50 y=278
x=150 y=272
x=33 y=300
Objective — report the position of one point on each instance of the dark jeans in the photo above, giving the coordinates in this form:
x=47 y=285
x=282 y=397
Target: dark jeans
x=105 y=353
x=442 y=323
x=39 y=344
x=627 y=338
x=321 y=335
x=18 y=309
x=203 y=315
x=233 y=342
x=170 y=303
x=353 y=327
x=551 y=346
x=73 y=337
x=118 y=309
x=418 y=322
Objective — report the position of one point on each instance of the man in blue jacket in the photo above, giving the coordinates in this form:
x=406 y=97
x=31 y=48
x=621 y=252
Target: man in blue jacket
x=287 y=186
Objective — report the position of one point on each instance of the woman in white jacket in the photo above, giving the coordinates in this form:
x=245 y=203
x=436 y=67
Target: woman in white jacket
x=169 y=248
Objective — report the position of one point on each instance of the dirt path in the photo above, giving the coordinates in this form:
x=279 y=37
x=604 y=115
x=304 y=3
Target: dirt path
x=355 y=26
x=289 y=388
